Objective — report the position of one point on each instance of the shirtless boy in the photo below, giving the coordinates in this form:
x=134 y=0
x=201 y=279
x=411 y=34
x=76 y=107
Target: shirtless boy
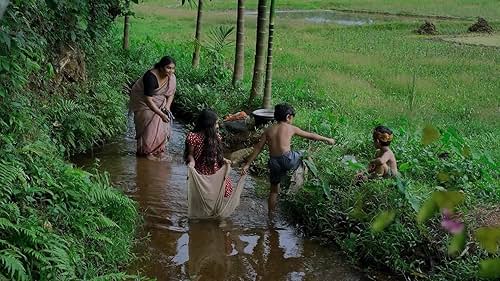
x=282 y=159
x=384 y=165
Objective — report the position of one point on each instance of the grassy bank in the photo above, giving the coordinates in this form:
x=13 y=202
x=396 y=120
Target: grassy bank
x=343 y=80
x=60 y=94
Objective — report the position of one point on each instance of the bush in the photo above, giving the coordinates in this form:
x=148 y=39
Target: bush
x=60 y=93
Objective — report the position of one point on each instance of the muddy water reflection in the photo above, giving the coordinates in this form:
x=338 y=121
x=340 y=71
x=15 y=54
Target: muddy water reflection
x=246 y=247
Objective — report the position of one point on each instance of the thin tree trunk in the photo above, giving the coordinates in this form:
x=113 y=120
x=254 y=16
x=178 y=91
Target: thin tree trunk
x=266 y=101
x=260 y=49
x=197 y=43
x=126 y=26
x=239 y=57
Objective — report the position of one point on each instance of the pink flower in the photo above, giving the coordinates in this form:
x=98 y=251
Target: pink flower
x=450 y=223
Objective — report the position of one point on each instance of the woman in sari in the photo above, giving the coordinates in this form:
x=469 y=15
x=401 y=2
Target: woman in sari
x=150 y=100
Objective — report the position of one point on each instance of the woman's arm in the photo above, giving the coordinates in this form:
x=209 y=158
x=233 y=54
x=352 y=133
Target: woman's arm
x=190 y=157
x=170 y=99
x=155 y=109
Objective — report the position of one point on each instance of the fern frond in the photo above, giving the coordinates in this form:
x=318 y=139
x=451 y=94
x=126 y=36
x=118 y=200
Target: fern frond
x=34 y=254
x=105 y=222
x=9 y=173
x=67 y=106
x=10 y=210
x=7 y=225
x=14 y=266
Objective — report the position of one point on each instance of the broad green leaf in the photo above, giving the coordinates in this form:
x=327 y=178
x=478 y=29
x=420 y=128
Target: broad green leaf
x=383 y=220
x=404 y=167
x=488 y=238
x=311 y=167
x=490 y=268
x=82 y=23
x=355 y=165
x=457 y=244
x=447 y=199
x=430 y=135
x=326 y=190
x=428 y=209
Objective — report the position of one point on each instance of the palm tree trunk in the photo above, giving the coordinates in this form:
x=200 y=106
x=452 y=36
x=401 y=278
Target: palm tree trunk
x=266 y=101
x=260 y=49
x=126 y=26
x=239 y=57
x=197 y=41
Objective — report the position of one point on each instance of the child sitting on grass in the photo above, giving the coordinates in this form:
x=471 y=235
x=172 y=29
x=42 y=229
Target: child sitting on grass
x=282 y=159
x=384 y=165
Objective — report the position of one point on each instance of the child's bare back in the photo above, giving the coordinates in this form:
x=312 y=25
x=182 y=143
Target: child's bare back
x=385 y=164
x=278 y=138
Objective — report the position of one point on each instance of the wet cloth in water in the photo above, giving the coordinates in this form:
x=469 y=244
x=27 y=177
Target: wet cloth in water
x=206 y=194
x=280 y=165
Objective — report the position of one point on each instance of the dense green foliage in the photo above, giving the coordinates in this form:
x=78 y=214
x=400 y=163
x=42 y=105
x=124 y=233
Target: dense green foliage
x=60 y=93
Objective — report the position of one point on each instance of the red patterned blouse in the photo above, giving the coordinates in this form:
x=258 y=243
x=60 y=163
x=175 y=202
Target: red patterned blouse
x=195 y=140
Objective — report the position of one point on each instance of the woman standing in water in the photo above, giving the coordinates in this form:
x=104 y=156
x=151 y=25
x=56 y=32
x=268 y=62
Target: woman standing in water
x=150 y=100
x=203 y=150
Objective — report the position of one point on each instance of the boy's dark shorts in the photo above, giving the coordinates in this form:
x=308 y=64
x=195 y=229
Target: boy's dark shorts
x=280 y=165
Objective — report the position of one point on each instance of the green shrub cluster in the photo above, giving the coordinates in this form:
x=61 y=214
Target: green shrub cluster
x=60 y=93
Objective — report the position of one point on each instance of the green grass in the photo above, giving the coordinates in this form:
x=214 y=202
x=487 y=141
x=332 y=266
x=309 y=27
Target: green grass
x=364 y=72
x=456 y=8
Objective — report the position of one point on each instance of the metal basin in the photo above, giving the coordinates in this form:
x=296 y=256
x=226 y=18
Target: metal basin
x=263 y=116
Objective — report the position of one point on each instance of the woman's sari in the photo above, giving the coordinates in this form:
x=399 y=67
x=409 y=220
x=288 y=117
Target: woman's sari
x=151 y=132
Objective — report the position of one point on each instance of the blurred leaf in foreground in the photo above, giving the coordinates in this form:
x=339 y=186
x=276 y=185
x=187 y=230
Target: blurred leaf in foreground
x=489 y=238
x=430 y=135
x=447 y=199
x=428 y=209
x=457 y=244
x=383 y=220
x=490 y=268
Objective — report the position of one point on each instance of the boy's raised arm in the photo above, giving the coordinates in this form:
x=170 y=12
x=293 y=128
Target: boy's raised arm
x=256 y=150
x=312 y=136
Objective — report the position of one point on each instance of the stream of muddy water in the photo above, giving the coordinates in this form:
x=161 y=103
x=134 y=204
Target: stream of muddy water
x=246 y=247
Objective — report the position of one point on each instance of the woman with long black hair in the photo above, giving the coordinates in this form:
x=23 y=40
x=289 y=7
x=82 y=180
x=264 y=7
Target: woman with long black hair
x=204 y=147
